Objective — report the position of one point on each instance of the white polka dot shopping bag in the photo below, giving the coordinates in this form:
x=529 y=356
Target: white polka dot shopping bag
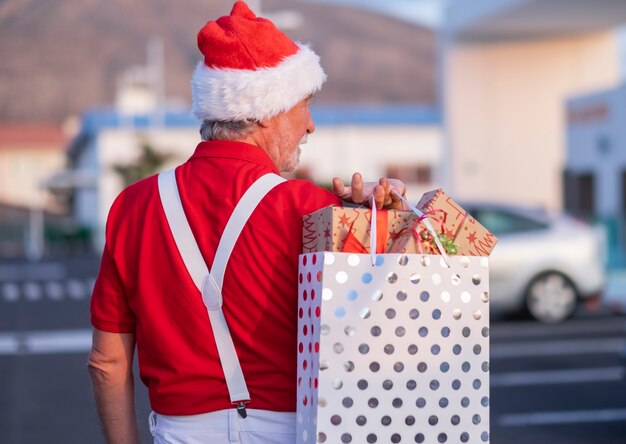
x=393 y=350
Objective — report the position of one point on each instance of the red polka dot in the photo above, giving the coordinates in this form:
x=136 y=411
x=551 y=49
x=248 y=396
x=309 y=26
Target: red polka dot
x=305 y=330
x=316 y=382
x=318 y=312
x=305 y=364
x=305 y=400
x=299 y=381
x=310 y=347
x=305 y=295
x=312 y=294
x=301 y=347
x=304 y=260
x=301 y=313
x=314 y=259
x=310 y=309
x=319 y=276
x=317 y=347
x=300 y=278
x=308 y=277
x=312 y=329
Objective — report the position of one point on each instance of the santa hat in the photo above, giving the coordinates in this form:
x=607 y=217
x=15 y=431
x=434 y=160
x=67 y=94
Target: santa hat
x=250 y=70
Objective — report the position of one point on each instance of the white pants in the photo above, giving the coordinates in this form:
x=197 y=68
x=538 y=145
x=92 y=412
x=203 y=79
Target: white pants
x=225 y=426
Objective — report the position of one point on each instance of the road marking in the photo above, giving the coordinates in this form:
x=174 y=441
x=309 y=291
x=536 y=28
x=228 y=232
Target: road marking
x=10 y=291
x=565 y=417
x=558 y=348
x=75 y=289
x=557 y=377
x=32 y=291
x=54 y=290
x=45 y=342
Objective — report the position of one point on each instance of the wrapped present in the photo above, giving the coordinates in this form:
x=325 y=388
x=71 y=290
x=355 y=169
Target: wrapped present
x=419 y=239
x=348 y=230
x=472 y=238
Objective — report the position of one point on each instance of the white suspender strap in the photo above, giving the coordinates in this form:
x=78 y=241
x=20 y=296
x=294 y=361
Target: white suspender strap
x=183 y=236
x=210 y=283
x=238 y=219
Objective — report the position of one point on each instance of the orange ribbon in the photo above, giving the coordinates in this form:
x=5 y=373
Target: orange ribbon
x=353 y=245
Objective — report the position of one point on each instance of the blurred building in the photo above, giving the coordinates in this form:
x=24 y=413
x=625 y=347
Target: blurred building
x=29 y=153
x=595 y=174
x=509 y=66
x=403 y=141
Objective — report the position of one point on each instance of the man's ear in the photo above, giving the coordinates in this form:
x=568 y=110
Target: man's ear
x=266 y=123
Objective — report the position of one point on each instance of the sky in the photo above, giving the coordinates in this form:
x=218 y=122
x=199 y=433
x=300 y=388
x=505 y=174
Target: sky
x=426 y=12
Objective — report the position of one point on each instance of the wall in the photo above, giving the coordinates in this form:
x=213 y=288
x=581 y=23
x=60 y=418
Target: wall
x=342 y=150
x=504 y=111
x=21 y=171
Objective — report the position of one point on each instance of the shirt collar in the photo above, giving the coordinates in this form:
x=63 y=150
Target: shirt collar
x=234 y=150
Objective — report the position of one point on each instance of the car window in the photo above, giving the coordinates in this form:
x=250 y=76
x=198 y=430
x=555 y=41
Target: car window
x=502 y=222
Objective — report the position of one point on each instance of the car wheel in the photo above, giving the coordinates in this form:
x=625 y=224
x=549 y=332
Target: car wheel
x=551 y=297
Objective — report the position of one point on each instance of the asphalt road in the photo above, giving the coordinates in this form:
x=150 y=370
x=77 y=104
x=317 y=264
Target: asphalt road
x=549 y=384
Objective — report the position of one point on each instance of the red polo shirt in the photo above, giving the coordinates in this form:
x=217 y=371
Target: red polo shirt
x=143 y=286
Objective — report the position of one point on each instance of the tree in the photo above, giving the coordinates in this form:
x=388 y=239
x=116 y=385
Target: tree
x=149 y=162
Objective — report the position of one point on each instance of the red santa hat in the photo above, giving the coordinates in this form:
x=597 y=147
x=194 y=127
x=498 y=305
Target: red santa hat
x=250 y=70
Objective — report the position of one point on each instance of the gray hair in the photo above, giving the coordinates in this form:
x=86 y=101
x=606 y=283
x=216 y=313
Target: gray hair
x=226 y=130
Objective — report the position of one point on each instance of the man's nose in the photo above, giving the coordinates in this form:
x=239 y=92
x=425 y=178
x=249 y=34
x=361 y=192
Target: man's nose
x=310 y=127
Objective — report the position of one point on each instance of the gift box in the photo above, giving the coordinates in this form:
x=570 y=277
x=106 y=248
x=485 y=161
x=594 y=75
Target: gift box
x=446 y=215
x=348 y=229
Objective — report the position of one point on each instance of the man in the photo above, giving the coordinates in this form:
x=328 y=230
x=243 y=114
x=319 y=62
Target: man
x=252 y=92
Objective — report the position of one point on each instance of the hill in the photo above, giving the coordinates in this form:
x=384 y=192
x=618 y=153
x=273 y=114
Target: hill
x=58 y=58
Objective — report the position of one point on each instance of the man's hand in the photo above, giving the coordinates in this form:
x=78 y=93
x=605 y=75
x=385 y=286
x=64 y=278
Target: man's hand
x=359 y=192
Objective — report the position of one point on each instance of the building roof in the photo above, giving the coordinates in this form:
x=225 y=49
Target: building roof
x=497 y=20
x=40 y=136
x=99 y=119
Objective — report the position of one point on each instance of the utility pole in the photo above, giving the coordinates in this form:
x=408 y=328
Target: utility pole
x=156 y=77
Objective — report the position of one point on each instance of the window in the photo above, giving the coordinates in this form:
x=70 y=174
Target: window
x=411 y=174
x=502 y=222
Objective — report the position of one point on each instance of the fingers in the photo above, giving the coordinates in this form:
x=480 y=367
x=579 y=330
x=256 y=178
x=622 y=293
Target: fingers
x=379 y=196
x=359 y=192
x=339 y=189
x=396 y=189
x=391 y=200
x=357 y=188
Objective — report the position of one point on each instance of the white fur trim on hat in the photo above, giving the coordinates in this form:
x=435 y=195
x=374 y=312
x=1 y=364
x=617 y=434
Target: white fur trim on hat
x=238 y=94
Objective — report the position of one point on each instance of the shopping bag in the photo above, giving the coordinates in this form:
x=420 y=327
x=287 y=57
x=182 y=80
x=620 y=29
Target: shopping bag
x=393 y=349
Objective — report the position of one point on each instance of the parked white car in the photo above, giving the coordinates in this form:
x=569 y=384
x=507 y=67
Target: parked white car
x=541 y=265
